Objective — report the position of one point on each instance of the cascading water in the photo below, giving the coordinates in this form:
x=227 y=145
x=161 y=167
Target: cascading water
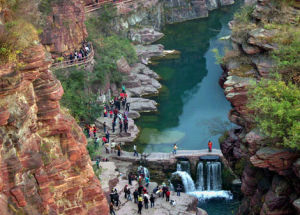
x=208 y=182
x=200 y=177
x=214 y=176
x=187 y=181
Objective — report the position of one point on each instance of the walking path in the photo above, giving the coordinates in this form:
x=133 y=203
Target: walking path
x=96 y=6
x=70 y=63
x=160 y=156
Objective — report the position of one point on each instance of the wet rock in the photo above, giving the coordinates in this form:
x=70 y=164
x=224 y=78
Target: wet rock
x=201 y=212
x=144 y=36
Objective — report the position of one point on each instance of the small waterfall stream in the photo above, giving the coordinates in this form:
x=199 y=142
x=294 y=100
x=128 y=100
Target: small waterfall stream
x=208 y=181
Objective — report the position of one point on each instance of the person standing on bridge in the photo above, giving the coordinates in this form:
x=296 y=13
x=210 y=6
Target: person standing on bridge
x=174 y=149
x=209 y=146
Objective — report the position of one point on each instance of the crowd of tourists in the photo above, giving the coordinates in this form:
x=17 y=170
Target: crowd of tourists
x=80 y=54
x=141 y=195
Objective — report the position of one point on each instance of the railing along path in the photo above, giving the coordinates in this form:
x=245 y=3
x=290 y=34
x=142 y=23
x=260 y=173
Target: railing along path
x=96 y=6
x=77 y=62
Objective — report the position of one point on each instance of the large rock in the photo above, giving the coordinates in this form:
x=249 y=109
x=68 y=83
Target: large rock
x=45 y=167
x=65 y=28
x=142 y=105
x=262 y=38
x=144 y=36
x=278 y=160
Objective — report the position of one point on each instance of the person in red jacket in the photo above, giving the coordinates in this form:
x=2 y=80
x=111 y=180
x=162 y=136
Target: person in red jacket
x=209 y=146
x=168 y=193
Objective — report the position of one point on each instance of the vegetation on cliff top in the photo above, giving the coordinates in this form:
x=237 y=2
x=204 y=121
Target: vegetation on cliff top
x=276 y=108
x=16 y=32
x=276 y=100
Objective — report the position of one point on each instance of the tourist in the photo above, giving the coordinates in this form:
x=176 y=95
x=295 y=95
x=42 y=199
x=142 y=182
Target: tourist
x=135 y=153
x=147 y=181
x=106 y=146
x=140 y=188
x=116 y=195
x=140 y=205
x=104 y=140
x=146 y=201
x=87 y=129
x=125 y=191
x=209 y=146
x=164 y=189
x=112 y=196
x=98 y=163
x=174 y=149
x=104 y=127
x=178 y=189
x=127 y=106
x=96 y=142
x=168 y=193
x=110 y=113
x=119 y=149
x=129 y=178
x=152 y=199
x=111 y=209
x=107 y=135
x=135 y=195
x=112 y=146
x=123 y=89
x=128 y=194
x=94 y=131
x=91 y=131
x=125 y=125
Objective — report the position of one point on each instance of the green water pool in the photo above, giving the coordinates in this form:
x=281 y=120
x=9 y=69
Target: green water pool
x=192 y=107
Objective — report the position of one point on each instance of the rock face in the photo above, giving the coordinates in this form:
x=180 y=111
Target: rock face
x=45 y=167
x=65 y=28
x=270 y=176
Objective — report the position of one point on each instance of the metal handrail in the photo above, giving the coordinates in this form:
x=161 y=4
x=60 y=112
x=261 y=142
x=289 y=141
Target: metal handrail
x=70 y=63
x=96 y=6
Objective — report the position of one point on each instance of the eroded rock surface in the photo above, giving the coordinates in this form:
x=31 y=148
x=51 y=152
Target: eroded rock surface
x=45 y=167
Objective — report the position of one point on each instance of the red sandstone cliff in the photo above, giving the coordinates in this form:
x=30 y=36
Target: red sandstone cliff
x=45 y=167
x=65 y=28
x=270 y=176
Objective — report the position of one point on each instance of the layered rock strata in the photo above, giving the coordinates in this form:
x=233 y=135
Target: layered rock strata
x=45 y=167
x=270 y=176
x=65 y=29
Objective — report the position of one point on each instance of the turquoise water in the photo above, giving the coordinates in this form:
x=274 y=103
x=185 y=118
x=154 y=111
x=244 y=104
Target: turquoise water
x=220 y=206
x=192 y=107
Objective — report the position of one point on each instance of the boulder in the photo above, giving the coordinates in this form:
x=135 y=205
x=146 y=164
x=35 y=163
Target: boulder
x=262 y=38
x=123 y=66
x=144 y=36
x=142 y=105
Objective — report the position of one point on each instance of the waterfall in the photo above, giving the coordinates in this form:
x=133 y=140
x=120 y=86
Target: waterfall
x=214 y=176
x=200 y=177
x=187 y=181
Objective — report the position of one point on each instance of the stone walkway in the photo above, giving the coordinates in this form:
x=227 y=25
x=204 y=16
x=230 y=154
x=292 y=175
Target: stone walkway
x=160 y=156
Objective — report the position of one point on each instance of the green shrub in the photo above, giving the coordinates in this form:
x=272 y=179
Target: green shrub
x=244 y=14
x=82 y=103
x=276 y=107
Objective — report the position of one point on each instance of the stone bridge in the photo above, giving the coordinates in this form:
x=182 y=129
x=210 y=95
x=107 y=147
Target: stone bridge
x=161 y=165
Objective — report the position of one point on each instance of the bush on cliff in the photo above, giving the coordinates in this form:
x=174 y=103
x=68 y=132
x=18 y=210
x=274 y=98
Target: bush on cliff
x=276 y=108
x=77 y=98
